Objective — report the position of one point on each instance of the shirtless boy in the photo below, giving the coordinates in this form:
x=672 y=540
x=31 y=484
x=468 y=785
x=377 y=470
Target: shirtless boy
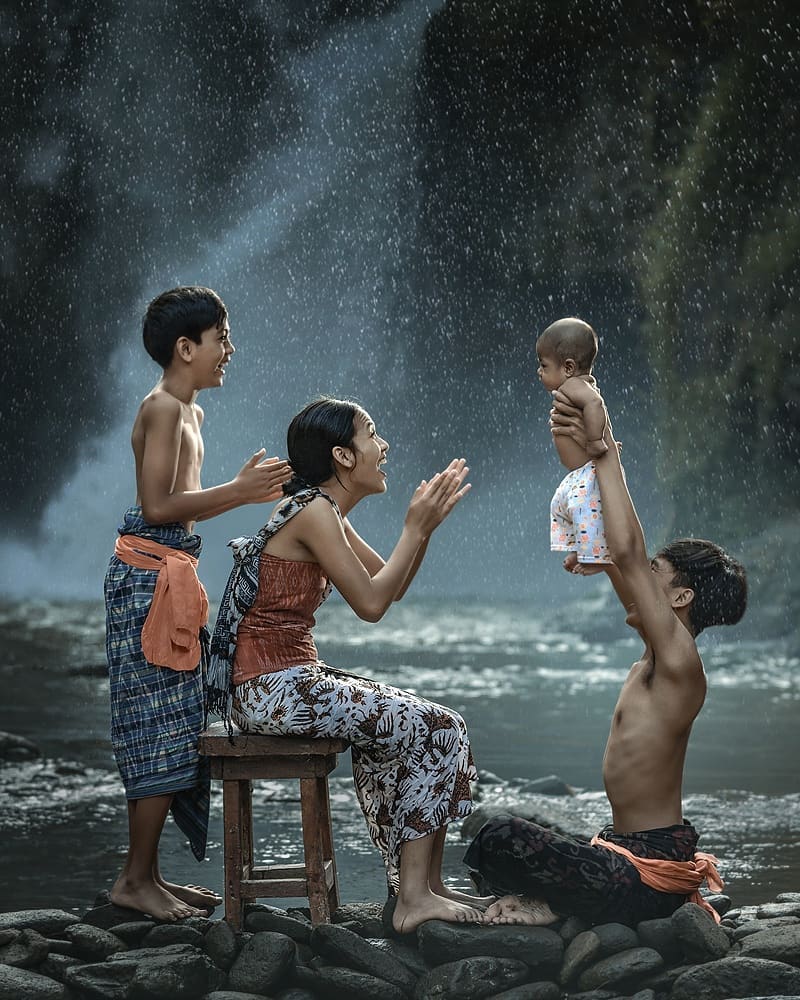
x=688 y=586
x=566 y=352
x=156 y=683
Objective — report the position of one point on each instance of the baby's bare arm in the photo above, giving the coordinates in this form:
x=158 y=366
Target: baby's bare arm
x=585 y=397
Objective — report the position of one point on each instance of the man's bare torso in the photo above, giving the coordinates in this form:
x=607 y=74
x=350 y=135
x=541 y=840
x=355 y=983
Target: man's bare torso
x=646 y=748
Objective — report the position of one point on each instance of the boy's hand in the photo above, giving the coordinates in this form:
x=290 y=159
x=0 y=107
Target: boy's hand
x=435 y=498
x=260 y=479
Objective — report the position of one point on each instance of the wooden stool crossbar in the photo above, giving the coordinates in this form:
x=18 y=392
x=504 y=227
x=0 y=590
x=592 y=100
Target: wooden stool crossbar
x=250 y=757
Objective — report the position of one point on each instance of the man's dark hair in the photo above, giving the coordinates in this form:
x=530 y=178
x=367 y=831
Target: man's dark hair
x=181 y=312
x=317 y=429
x=719 y=582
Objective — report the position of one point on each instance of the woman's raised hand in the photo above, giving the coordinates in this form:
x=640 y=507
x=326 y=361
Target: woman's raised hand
x=434 y=498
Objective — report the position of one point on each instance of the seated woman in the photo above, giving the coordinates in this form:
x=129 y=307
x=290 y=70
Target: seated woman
x=412 y=763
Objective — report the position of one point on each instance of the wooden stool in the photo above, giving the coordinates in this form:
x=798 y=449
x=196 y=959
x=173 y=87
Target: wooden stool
x=252 y=756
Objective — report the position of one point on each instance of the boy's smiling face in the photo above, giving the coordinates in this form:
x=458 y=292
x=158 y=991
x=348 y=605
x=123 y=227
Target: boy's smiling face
x=211 y=355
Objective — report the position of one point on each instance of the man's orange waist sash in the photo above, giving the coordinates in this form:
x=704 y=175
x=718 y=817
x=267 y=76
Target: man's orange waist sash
x=674 y=876
x=171 y=632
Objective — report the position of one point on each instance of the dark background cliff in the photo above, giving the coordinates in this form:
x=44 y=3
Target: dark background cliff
x=634 y=163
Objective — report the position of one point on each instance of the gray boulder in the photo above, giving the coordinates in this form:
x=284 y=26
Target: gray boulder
x=108 y=914
x=93 y=944
x=615 y=938
x=132 y=933
x=736 y=977
x=660 y=935
x=270 y=918
x=625 y=966
x=403 y=952
x=531 y=991
x=55 y=966
x=442 y=942
x=343 y=947
x=47 y=922
x=471 y=979
x=702 y=939
x=789 y=909
x=781 y=944
x=350 y=984
x=164 y=934
x=755 y=926
x=13 y=747
x=581 y=952
x=265 y=961
x=26 y=950
x=22 y=984
x=179 y=977
x=221 y=945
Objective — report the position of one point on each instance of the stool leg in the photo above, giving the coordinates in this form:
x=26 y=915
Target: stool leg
x=311 y=808
x=232 y=809
x=326 y=831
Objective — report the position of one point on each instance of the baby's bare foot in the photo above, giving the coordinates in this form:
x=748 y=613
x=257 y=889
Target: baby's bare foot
x=588 y=569
x=153 y=900
x=520 y=910
x=570 y=562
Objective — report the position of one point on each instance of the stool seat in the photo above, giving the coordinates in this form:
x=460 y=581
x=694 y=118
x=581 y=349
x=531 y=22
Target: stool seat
x=251 y=756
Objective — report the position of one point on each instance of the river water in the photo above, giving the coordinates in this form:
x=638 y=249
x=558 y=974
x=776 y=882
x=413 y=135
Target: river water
x=537 y=696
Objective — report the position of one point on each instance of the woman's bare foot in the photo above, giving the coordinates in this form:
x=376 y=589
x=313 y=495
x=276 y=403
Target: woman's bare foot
x=194 y=895
x=408 y=915
x=153 y=900
x=479 y=902
x=520 y=910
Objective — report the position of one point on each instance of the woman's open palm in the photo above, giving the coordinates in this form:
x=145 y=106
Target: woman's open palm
x=436 y=497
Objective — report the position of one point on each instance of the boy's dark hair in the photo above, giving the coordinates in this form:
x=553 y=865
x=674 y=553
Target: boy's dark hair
x=181 y=312
x=719 y=582
x=570 y=338
x=323 y=425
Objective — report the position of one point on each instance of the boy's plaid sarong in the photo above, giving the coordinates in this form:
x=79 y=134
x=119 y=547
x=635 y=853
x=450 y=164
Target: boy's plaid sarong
x=157 y=714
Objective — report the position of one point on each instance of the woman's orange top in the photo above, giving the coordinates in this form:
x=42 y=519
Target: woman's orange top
x=276 y=632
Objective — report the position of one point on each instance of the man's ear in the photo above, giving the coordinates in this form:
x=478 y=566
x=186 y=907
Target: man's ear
x=683 y=598
x=570 y=367
x=344 y=457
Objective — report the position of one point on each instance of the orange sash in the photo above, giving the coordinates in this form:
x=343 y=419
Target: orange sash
x=170 y=635
x=674 y=876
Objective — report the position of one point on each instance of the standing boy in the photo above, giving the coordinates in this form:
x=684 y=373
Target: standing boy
x=156 y=608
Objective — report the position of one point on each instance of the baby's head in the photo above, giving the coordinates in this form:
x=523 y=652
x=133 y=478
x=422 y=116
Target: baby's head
x=567 y=347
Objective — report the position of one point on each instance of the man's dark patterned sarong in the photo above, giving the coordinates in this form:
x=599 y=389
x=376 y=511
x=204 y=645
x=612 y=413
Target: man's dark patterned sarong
x=516 y=857
x=157 y=714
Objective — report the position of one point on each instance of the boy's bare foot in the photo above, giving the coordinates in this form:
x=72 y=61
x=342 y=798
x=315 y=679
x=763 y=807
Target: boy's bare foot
x=407 y=916
x=153 y=900
x=520 y=910
x=194 y=895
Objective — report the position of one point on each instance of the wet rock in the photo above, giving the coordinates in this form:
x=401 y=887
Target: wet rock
x=571 y=928
x=93 y=944
x=8 y=934
x=581 y=952
x=349 y=984
x=343 y=947
x=660 y=935
x=50 y=923
x=55 y=966
x=295 y=993
x=702 y=939
x=789 y=909
x=471 y=979
x=720 y=902
x=270 y=918
x=101 y=981
x=615 y=937
x=132 y=933
x=781 y=944
x=27 y=950
x=221 y=946
x=531 y=991
x=164 y=934
x=755 y=926
x=442 y=942
x=235 y=995
x=22 y=984
x=788 y=897
x=108 y=914
x=179 y=977
x=550 y=784
x=264 y=961
x=736 y=977
x=361 y=918
x=405 y=953
x=625 y=966
x=13 y=747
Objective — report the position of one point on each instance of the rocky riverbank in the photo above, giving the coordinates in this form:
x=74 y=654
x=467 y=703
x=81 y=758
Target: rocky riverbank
x=114 y=954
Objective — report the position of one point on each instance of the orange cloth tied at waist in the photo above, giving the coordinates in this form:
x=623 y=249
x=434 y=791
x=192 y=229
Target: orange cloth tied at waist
x=170 y=635
x=674 y=876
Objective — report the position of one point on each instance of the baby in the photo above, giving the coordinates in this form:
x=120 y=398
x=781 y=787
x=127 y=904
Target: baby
x=566 y=352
